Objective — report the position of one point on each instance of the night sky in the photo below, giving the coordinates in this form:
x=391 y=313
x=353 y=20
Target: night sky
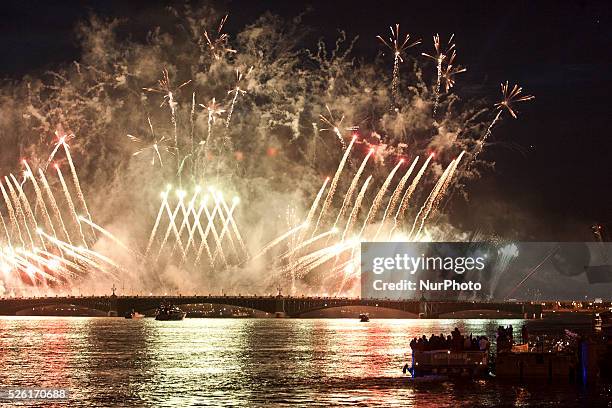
x=554 y=187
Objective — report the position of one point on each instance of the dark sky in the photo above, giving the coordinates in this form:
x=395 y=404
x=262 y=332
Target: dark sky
x=559 y=51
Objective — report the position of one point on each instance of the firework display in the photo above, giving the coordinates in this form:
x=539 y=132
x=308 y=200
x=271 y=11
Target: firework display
x=308 y=133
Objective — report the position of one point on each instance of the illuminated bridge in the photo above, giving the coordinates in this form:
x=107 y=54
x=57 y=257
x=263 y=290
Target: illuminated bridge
x=275 y=305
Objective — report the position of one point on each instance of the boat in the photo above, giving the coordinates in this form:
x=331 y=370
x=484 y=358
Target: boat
x=603 y=322
x=364 y=317
x=134 y=315
x=473 y=363
x=169 y=312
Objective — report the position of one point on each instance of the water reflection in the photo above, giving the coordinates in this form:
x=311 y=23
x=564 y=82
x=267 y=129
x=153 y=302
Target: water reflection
x=252 y=362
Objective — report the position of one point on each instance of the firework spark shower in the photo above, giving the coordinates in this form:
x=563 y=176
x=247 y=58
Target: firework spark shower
x=204 y=152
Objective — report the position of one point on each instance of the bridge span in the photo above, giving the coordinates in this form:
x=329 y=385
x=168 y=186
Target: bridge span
x=276 y=305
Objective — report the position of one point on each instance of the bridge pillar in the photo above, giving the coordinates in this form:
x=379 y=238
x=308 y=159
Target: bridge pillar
x=532 y=311
x=279 y=306
x=112 y=310
x=427 y=310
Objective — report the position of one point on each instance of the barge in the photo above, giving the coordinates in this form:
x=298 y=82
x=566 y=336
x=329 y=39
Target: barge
x=473 y=363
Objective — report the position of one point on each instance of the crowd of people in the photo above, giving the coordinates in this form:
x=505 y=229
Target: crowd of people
x=454 y=342
x=505 y=338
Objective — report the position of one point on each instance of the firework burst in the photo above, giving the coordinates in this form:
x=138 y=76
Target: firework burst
x=218 y=44
x=213 y=111
x=196 y=231
x=510 y=97
x=165 y=88
x=450 y=70
x=441 y=54
x=335 y=126
x=156 y=145
x=398 y=48
x=237 y=90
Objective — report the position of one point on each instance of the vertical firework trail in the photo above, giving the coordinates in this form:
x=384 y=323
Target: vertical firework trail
x=235 y=229
x=379 y=198
x=162 y=207
x=438 y=199
x=348 y=197
x=77 y=186
x=168 y=95
x=195 y=226
x=6 y=232
x=408 y=194
x=397 y=47
x=393 y=201
x=172 y=227
x=12 y=217
x=315 y=137
x=439 y=57
x=54 y=206
x=333 y=185
x=427 y=203
x=191 y=135
x=481 y=143
x=211 y=228
x=225 y=230
x=236 y=91
x=203 y=243
x=25 y=204
x=39 y=200
x=509 y=98
x=220 y=202
x=433 y=197
x=21 y=216
x=185 y=219
x=172 y=105
x=73 y=212
x=311 y=212
x=353 y=215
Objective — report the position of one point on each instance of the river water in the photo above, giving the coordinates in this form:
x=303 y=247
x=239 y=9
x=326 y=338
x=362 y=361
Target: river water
x=250 y=362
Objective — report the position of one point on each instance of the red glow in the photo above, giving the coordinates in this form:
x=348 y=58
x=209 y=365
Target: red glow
x=239 y=155
x=272 y=151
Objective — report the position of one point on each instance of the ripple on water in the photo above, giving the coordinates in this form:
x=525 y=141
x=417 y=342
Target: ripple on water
x=229 y=362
